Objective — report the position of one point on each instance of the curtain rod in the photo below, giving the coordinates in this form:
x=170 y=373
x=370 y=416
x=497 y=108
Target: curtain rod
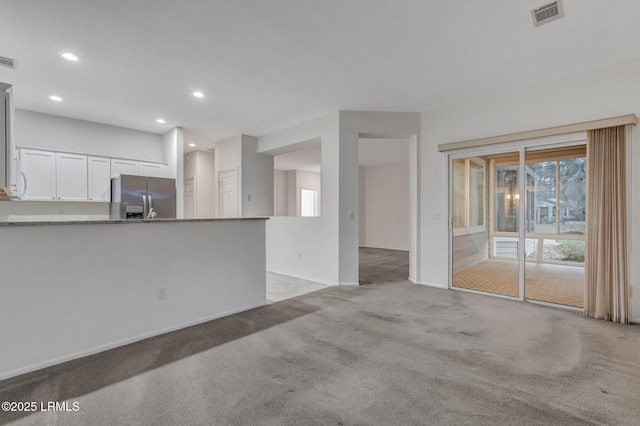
x=550 y=131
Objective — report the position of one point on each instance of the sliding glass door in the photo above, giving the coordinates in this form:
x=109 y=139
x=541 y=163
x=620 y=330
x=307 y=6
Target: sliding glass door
x=484 y=224
x=517 y=224
x=554 y=269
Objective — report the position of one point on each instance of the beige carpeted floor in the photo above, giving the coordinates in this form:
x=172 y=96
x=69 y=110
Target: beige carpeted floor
x=380 y=354
x=561 y=284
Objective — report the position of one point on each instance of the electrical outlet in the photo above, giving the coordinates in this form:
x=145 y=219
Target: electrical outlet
x=436 y=216
x=248 y=197
x=162 y=293
x=299 y=255
x=352 y=215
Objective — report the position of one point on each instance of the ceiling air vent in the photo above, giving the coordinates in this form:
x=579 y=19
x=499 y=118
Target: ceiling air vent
x=7 y=62
x=547 y=13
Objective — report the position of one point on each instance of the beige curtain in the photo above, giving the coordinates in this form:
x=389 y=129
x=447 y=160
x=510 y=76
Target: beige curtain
x=606 y=274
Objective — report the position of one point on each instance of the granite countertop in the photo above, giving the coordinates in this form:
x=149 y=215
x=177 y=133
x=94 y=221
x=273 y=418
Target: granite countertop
x=121 y=222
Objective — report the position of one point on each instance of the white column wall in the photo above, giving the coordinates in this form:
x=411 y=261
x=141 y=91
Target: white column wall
x=607 y=92
x=307 y=247
x=173 y=142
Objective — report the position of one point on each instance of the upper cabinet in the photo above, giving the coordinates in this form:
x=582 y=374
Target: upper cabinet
x=39 y=169
x=123 y=167
x=137 y=168
x=152 y=169
x=53 y=176
x=75 y=177
x=71 y=177
x=99 y=179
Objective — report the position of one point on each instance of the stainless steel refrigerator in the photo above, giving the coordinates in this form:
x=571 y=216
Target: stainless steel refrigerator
x=141 y=197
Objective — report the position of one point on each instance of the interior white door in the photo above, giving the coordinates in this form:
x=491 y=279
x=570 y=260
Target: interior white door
x=190 y=198
x=228 y=190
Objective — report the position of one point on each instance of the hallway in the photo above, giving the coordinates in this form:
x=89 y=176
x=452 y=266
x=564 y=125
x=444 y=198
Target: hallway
x=383 y=265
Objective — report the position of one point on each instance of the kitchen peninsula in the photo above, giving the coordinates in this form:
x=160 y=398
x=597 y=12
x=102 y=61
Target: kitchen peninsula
x=70 y=289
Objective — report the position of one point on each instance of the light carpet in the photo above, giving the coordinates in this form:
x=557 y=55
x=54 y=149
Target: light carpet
x=381 y=354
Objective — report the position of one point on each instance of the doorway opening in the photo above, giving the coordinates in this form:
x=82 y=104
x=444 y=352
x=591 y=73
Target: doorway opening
x=518 y=224
x=384 y=209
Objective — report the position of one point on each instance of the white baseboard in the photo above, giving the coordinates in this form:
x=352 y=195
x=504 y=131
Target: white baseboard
x=428 y=284
x=302 y=277
x=101 y=348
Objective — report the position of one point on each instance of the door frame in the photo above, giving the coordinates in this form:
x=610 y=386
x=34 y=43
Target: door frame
x=571 y=139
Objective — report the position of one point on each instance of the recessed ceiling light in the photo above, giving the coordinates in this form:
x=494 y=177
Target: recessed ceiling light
x=161 y=121
x=192 y=144
x=55 y=98
x=70 y=56
x=198 y=94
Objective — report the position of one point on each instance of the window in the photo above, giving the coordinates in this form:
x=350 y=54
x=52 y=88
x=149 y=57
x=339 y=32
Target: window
x=308 y=203
x=468 y=195
x=558 y=205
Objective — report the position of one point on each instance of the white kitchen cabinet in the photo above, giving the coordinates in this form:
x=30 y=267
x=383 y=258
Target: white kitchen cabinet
x=123 y=167
x=99 y=174
x=152 y=169
x=71 y=177
x=39 y=169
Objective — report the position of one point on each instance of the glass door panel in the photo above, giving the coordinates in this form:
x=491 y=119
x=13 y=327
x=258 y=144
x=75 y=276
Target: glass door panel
x=484 y=221
x=555 y=215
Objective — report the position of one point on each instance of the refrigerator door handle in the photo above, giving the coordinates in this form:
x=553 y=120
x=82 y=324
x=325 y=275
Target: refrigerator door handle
x=24 y=189
x=151 y=214
x=144 y=206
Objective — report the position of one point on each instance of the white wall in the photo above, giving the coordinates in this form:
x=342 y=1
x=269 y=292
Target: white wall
x=61 y=301
x=37 y=130
x=292 y=187
x=279 y=193
x=607 y=92
x=206 y=184
x=190 y=164
x=257 y=180
x=202 y=166
x=385 y=218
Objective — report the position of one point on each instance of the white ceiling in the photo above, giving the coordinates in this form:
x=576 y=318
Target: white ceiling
x=264 y=65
